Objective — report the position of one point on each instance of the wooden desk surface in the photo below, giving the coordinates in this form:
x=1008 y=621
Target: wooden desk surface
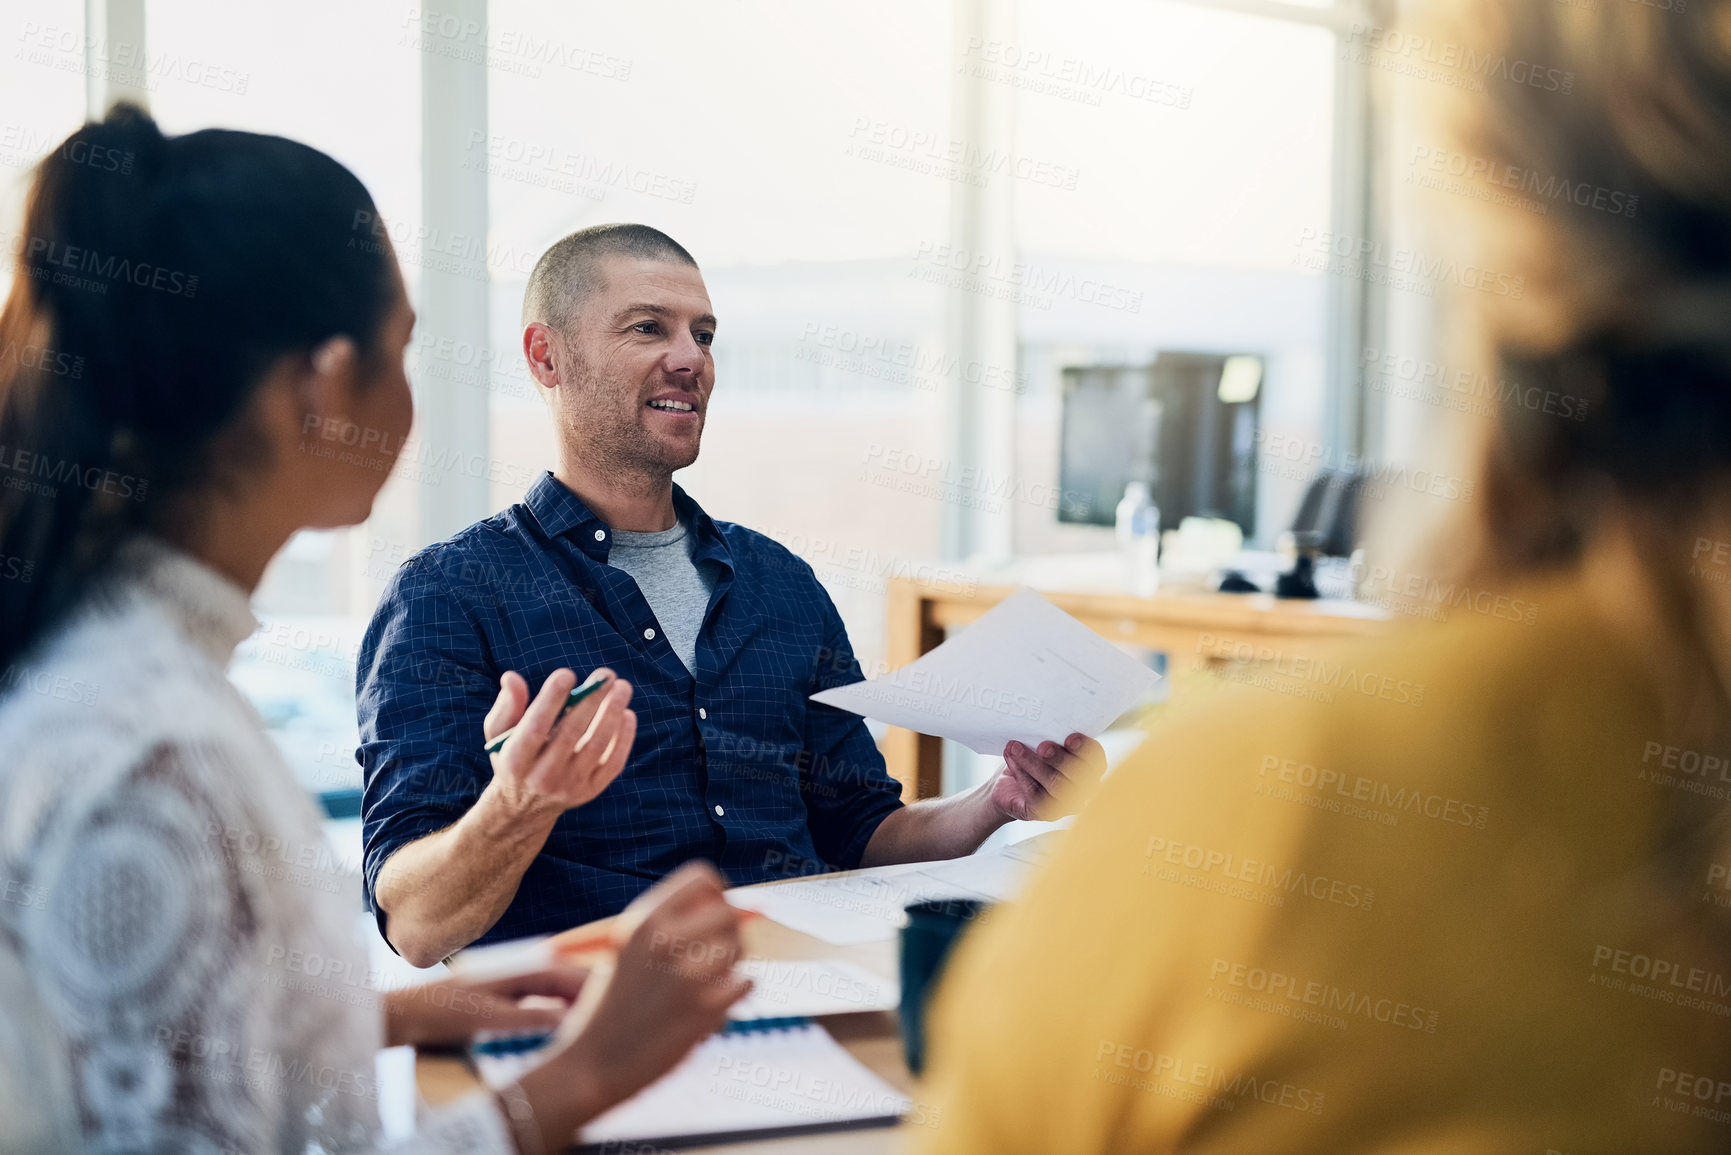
x=1258 y=614
x=874 y=1039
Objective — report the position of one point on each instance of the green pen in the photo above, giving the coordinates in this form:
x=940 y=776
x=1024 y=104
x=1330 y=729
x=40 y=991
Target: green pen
x=576 y=695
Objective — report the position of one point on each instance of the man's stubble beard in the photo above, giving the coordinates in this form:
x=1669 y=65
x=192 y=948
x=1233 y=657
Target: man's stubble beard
x=603 y=435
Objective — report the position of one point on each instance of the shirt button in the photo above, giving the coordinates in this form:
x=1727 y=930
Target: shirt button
x=650 y=633
x=719 y=812
x=600 y=535
x=702 y=713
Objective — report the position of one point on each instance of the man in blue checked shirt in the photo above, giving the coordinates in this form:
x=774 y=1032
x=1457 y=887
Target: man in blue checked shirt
x=705 y=745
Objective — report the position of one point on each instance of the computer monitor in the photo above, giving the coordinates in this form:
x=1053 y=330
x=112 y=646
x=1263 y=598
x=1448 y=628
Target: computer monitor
x=1186 y=424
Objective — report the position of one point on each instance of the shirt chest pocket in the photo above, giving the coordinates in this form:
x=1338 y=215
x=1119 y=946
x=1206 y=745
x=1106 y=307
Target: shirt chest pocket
x=756 y=734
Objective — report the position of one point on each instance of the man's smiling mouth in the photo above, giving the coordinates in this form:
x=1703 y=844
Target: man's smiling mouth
x=671 y=406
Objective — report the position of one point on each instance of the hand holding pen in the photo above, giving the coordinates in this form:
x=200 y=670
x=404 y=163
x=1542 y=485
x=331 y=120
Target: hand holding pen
x=663 y=983
x=562 y=749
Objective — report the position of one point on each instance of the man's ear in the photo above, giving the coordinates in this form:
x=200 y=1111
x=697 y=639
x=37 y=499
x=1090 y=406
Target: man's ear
x=542 y=350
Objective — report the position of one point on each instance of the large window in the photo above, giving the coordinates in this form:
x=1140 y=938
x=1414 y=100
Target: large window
x=42 y=98
x=344 y=78
x=1203 y=142
x=1174 y=151
x=1164 y=163
x=751 y=144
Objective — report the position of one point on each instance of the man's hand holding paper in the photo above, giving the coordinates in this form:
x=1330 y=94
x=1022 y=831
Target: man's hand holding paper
x=1042 y=782
x=1027 y=679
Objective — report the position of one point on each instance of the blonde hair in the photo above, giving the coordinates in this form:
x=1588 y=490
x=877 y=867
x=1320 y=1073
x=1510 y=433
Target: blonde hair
x=1630 y=310
x=1627 y=310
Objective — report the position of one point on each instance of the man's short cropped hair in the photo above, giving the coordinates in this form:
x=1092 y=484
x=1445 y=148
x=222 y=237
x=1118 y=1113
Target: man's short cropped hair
x=570 y=270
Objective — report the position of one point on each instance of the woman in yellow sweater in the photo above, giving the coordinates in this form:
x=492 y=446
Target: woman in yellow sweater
x=1488 y=914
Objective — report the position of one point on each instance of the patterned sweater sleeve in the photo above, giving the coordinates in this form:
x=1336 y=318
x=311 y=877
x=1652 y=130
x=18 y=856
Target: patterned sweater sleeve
x=137 y=939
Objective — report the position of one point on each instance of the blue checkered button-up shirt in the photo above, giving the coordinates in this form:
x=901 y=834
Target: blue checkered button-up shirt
x=732 y=764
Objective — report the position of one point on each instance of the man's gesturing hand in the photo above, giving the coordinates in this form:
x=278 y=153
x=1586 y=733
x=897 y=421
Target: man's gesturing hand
x=1040 y=781
x=553 y=762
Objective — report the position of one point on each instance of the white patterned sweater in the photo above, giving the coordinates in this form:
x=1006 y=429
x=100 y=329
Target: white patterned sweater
x=178 y=965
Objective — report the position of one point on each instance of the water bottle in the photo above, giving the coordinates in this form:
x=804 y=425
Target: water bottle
x=1138 y=529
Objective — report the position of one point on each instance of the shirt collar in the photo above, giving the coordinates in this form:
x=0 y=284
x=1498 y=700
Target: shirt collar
x=563 y=514
x=710 y=545
x=214 y=611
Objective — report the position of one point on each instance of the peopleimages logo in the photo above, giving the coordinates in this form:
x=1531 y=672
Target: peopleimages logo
x=1165 y=856
x=1662 y=970
x=71 y=49
x=875 y=355
x=936 y=154
x=1446 y=61
x=1325 y=251
x=41 y=474
x=1303 y=668
x=522 y=52
x=43 y=359
x=1300 y=459
x=1067 y=77
x=956 y=266
x=63 y=264
x=1351 y=787
x=1326 y=997
x=539 y=163
x=1450 y=171
x=1174 y=1076
x=1403 y=592
x=1462 y=389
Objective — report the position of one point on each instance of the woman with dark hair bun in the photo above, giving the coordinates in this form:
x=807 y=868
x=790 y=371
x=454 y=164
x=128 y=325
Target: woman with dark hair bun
x=177 y=959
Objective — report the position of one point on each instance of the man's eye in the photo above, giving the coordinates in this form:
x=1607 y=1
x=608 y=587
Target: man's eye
x=645 y=326
x=706 y=338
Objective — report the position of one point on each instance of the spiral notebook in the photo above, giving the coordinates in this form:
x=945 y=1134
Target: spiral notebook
x=758 y=1079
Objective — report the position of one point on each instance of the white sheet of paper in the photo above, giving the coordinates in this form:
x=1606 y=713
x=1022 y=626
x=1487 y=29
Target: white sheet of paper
x=846 y=909
x=997 y=876
x=787 y=987
x=868 y=905
x=735 y=1082
x=1035 y=848
x=1026 y=671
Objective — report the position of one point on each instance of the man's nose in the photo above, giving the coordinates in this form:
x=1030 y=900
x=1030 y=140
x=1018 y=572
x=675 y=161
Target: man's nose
x=686 y=356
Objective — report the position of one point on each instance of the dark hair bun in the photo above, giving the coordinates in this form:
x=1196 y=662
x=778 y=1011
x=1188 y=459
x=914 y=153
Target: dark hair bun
x=171 y=272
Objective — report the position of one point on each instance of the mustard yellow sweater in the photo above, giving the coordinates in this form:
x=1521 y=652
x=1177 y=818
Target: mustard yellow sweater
x=1440 y=924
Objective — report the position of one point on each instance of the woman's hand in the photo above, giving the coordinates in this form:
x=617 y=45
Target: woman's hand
x=555 y=762
x=452 y=1010
x=670 y=985
x=667 y=990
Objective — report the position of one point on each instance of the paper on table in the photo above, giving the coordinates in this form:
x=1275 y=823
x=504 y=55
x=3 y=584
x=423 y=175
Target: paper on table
x=747 y=1084
x=999 y=877
x=867 y=906
x=749 y=1080
x=1025 y=671
x=804 y=987
x=844 y=909
x=1034 y=848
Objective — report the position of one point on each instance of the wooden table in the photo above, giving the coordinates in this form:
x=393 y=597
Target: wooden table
x=1190 y=628
x=874 y=1038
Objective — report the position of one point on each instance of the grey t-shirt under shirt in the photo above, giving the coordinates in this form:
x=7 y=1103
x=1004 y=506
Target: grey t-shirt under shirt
x=676 y=589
